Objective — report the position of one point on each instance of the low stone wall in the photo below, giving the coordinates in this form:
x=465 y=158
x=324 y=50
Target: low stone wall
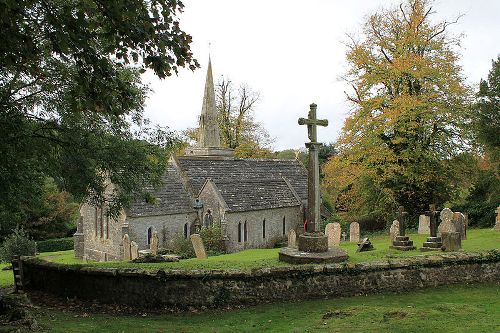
x=179 y=288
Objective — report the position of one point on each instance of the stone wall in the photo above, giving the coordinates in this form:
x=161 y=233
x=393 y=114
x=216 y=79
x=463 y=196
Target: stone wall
x=177 y=288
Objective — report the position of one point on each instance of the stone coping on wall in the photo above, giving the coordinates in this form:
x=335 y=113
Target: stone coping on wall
x=435 y=260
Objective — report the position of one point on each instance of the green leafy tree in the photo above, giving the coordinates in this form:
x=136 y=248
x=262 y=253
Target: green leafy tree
x=400 y=142
x=71 y=99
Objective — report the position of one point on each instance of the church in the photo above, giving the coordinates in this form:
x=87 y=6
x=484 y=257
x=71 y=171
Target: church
x=254 y=201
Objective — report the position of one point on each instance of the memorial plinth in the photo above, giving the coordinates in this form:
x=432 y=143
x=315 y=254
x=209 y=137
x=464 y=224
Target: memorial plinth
x=313 y=244
x=433 y=243
x=402 y=242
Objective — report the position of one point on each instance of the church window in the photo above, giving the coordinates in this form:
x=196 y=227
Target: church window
x=245 y=232
x=284 y=226
x=107 y=227
x=264 y=228
x=186 y=228
x=239 y=232
x=95 y=222
x=150 y=233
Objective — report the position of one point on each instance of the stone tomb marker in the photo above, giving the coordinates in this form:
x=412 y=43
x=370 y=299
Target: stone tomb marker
x=127 y=255
x=402 y=242
x=497 y=219
x=394 y=230
x=134 y=250
x=452 y=241
x=333 y=231
x=153 y=244
x=354 y=232
x=292 y=238
x=424 y=222
x=433 y=243
x=446 y=224
x=459 y=222
x=199 y=248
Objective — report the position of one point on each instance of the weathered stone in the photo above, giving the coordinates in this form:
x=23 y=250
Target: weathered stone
x=446 y=224
x=126 y=248
x=333 y=231
x=497 y=220
x=295 y=256
x=424 y=224
x=199 y=248
x=313 y=242
x=394 y=230
x=459 y=222
x=451 y=241
x=365 y=245
x=134 y=250
x=354 y=232
x=292 y=238
x=153 y=246
x=402 y=243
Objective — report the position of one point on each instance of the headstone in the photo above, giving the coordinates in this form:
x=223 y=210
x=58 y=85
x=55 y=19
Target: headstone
x=344 y=236
x=153 y=245
x=354 y=232
x=365 y=245
x=333 y=231
x=446 y=224
x=292 y=238
x=199 y=248
x=134 y=250
x=126 y=248
x=466 y=225
x=451 y=241
x=394 y=230
x=459 y=222
x=424 y=224
x=497 y=220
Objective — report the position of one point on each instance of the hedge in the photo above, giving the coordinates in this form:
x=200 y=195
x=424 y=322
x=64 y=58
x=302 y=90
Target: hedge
x=57 y=244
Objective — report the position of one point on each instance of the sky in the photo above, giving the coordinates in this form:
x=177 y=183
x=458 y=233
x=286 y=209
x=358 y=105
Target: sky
x=292 y=53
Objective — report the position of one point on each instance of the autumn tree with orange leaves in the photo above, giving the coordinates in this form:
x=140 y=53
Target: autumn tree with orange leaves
x=403 y=138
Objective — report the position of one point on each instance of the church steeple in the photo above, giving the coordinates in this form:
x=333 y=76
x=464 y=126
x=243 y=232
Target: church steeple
x=209 y=125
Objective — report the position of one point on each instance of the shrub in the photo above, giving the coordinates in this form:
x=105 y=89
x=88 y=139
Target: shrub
x=56 y=244
x=182 y=247
x=18 y=243
x=213 y=239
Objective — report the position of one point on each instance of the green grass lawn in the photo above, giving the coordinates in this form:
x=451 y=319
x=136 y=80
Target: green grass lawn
x=465 y=308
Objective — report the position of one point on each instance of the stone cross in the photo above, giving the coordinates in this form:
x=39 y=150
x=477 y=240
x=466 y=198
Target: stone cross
x=433 y=220
x=153 y=244
x=314 y=198
x=402 y=220
x=126 y=248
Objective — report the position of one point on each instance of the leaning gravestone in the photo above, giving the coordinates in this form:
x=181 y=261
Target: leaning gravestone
x=446 y=224
x=354 y=232
x=459 y=222
x=292 y=238
x=365 y=245
x=126 y=248
x=199 y=248
x=153 y=246
x=394 y=230
x=333 y=231
x=423 y=224
x=134 y=250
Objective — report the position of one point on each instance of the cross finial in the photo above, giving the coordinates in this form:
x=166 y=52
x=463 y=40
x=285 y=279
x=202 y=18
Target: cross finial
x=312 y=122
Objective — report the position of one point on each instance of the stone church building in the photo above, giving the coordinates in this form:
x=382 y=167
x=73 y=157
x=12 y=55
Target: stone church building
x=255 y=201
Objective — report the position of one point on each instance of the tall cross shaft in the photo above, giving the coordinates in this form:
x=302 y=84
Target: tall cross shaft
x=402 y=221
x=314 y=196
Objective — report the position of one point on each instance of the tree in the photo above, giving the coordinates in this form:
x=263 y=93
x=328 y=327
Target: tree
x=71 y=100
x=400 y=142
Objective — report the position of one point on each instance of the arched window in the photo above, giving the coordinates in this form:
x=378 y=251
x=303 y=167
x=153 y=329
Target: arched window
x=284 y=225
x=150 y=234
x=264 y=228
x=245 y=232
x=239 y=232
x=186 y=230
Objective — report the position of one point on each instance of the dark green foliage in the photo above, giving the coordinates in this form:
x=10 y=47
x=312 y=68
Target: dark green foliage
x=182 y=247
x=53 y=245
x=18 y=243
x=213 y=239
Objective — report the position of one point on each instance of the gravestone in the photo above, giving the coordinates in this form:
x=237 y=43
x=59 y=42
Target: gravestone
x=292 y=238
x=451 y=241
x=423 y=225
x=433 y=242
x=344 y=236
x=459 y=222
x=134 y=250
x=153 y=245
x=402 y=242
x=333 y=231
x=497 y=220
x=354 y=232
x=446 y=224
x=365 y=245
x=394 y=230
x=199 y=248
x=126 y=248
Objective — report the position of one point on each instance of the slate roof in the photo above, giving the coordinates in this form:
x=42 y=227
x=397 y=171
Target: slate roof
x=239 y=171
x=171 y=198
x=253 y=194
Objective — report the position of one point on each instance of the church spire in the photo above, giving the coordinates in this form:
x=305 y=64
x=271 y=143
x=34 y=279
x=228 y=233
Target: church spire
x=209 y=125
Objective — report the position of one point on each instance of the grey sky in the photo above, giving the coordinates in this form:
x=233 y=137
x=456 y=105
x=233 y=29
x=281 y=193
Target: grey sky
x=291 y=52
